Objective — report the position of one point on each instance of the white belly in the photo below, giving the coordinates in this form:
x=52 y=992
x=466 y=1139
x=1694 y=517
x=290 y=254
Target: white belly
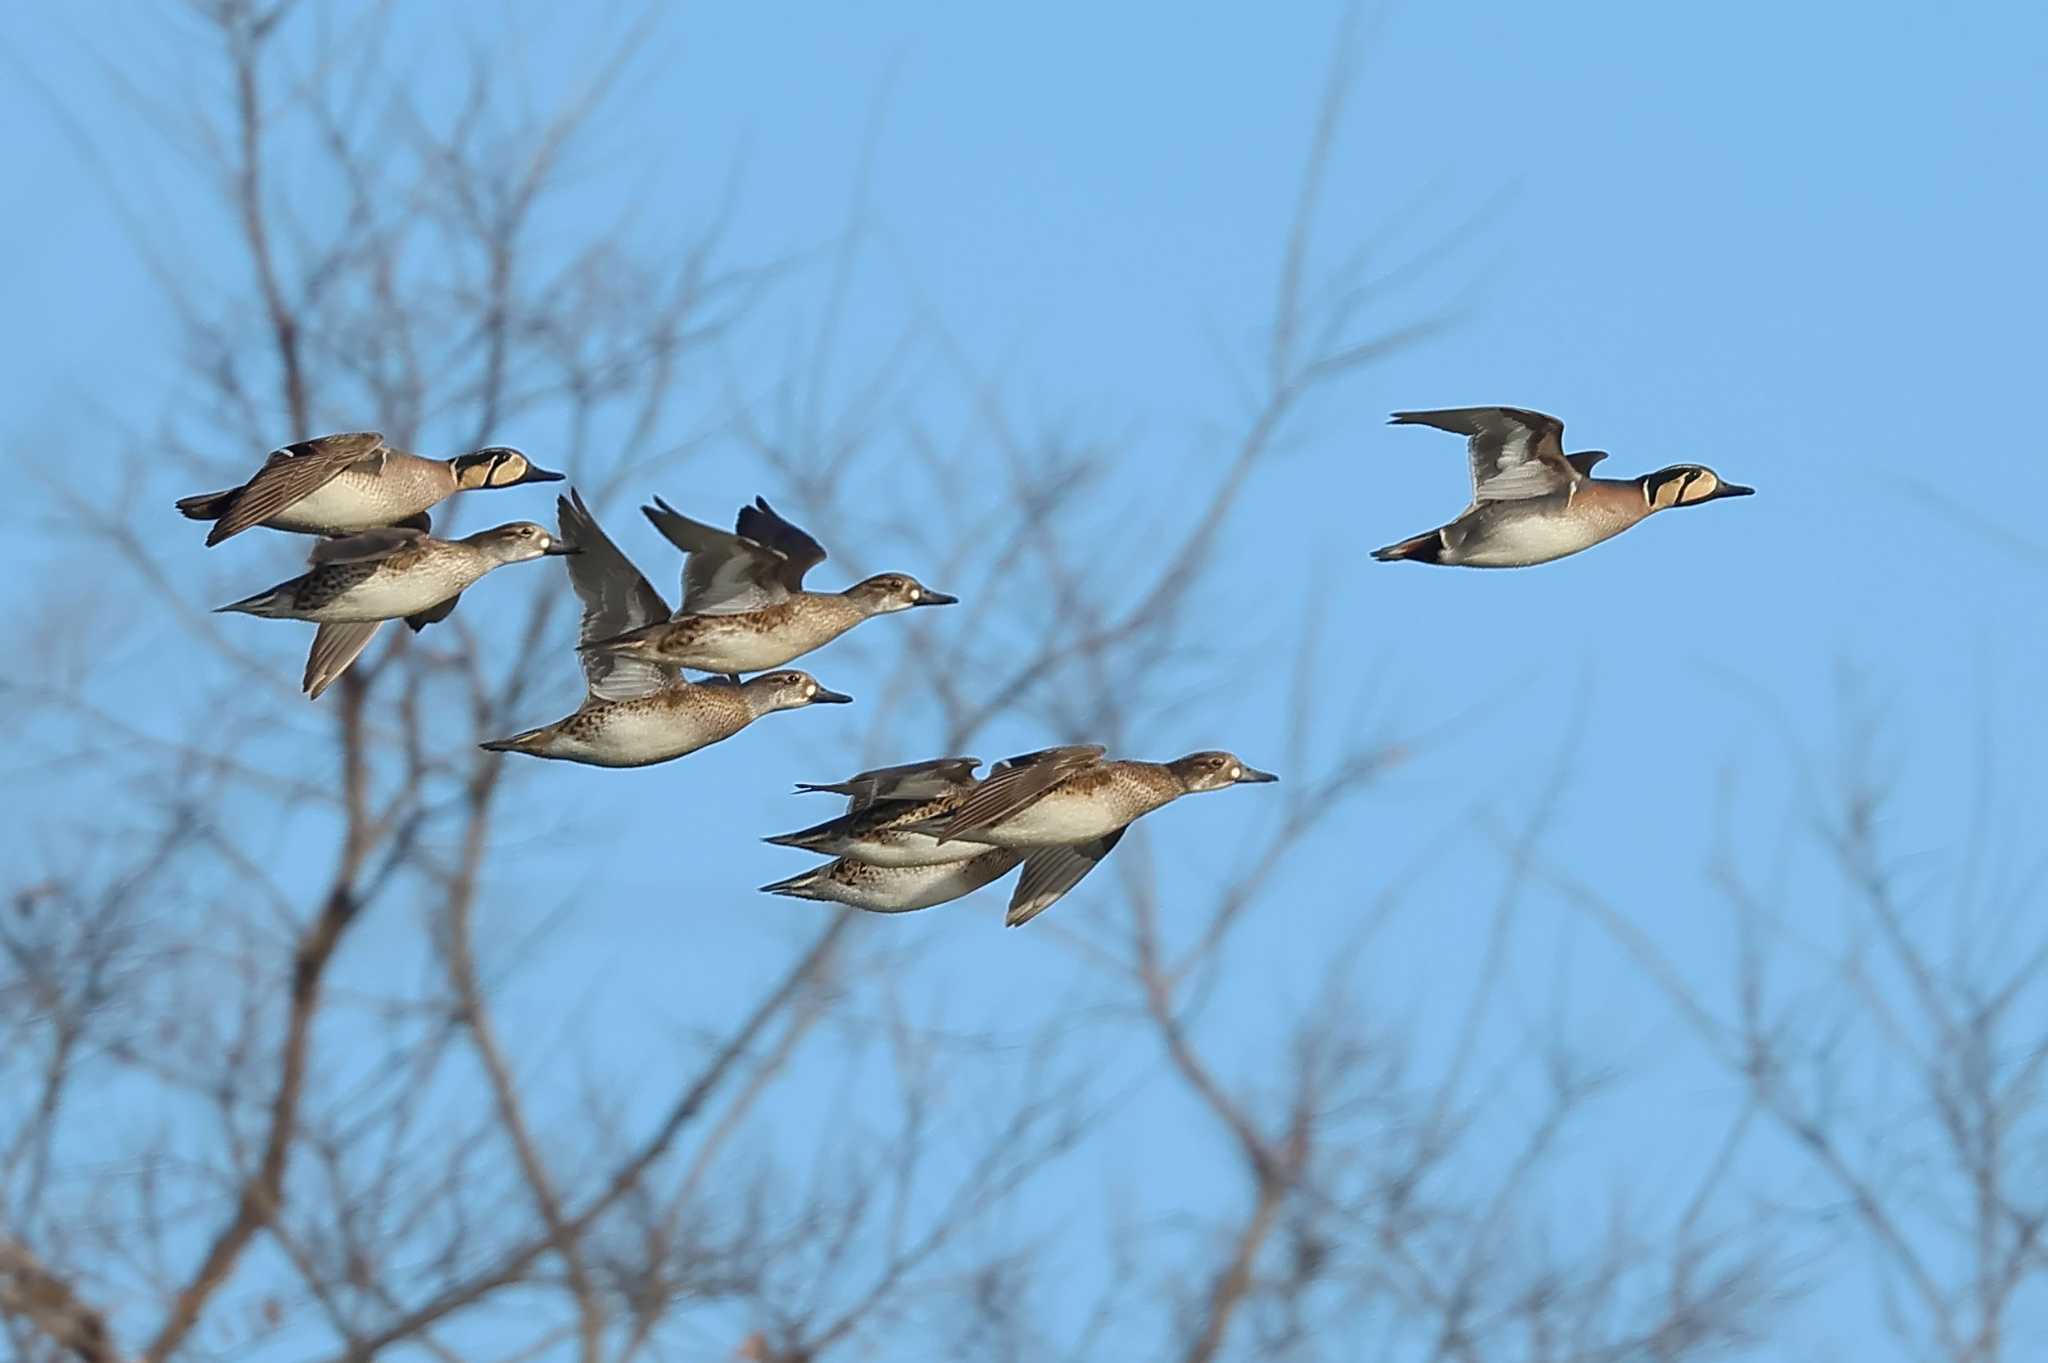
x=1055 y=821
x=1524 y=540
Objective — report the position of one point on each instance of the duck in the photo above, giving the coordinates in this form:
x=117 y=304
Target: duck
x=1049 y=873
x=883 y=806
x=357 y=582
x=350 y=482
x=1532 y=502
x=638 y=712
x=744 y=605
x=1076 y=797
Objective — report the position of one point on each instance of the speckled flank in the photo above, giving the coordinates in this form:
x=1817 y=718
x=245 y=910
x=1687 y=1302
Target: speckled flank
x=897 y=889
x=752 y=641
x=884 y=834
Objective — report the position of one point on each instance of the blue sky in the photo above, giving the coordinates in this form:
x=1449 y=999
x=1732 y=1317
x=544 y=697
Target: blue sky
x=1796 y=243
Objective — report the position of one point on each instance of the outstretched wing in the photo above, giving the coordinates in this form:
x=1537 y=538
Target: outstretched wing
x=616 y=597
x=1516 y=454
x=294 y=473
x=1015 y=785
x=724 y=573
x=335 y=646
x=1050 y=873
x=800 y=553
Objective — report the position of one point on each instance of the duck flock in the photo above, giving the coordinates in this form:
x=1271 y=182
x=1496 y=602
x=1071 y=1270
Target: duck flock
x=914 y=835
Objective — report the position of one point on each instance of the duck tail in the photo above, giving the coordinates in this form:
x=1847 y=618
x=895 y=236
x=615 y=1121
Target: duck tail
x=802 y=886
x=526 y=742
x=271 y=604
x=804 y=839
x=1424 y=548
x=207 y=506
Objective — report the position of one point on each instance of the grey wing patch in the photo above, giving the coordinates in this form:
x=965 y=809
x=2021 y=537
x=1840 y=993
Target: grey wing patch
x=368 y=546
x=334 y=648
x=294 y=473
x=1516 y=454
x=1582 y=462
x=911 y=781
x=433 y=615
x=1015 y=785
x=1050 y=873
x=800 y=553
x=724 y=573
x=616 y=598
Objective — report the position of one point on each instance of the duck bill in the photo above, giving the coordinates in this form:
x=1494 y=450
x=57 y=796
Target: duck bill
x=558 y=549
x=536 y=474
x=932 y=598
x=1253 y=776
x=1730 y=490
x=824 y=697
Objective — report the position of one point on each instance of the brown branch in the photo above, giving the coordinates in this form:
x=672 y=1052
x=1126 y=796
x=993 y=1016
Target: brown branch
x=262 y=1193
x=247 y=47
x=31 y=1292
x=512 y=1266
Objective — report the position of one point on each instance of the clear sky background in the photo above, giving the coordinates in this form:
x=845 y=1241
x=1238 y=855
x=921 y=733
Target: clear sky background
x=1798 y=243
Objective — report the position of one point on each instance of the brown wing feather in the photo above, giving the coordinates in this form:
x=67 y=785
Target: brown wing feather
x=291 y=475
x=366 y=546
x=1016 y=785
x=335 y=647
